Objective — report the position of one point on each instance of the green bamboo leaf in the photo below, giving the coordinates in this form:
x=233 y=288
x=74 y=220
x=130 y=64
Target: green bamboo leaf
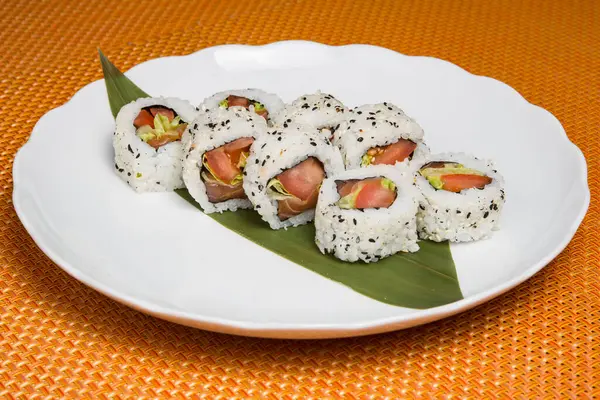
x=120 y=89
x=417 y=280
x=420 y=280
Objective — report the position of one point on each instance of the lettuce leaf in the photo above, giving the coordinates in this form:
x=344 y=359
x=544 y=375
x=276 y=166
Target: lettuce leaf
x=277 y=191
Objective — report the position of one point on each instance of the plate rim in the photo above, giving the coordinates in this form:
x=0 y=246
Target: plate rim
x=299 y=330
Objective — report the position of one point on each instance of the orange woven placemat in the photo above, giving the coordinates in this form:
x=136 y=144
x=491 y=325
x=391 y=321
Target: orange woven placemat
x=59 y=338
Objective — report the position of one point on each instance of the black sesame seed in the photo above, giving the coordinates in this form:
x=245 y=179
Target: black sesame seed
x=195 y=126
x=256 y=161
x=313 y=144
x=360 y=139
x=333 y=238
x=279 y=139
x=260 y=187
x=374 y=123
x=129 y=148
x=354 y=220
x=372 y=240
x=138 y=156
x=421 y=207
x=116 y=166
x=468 y=215
x=359 y=112
x=129 y=174
x=263 y=163
x=342 y=219
x=258 y=206
x=486 y=214
x=263 y=146
x=458 y=211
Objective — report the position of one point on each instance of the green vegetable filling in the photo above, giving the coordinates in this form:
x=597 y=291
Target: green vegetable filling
x=162 y=126
x=277 y=191
x=366 y=160
x=258 y=106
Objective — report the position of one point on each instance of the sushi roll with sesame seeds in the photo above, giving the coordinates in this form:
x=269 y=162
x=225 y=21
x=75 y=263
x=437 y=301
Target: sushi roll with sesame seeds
x=147 y=143
x=319 y=110
x=258 y=101
x=367 y=214
x=462 y=197
x=216 y=150
x=375 y=134
x=284 y=173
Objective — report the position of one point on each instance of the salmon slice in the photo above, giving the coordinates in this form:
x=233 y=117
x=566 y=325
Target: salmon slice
x=218 y=192
x=237 y=147
x=458 y=182
x=371 y=193
x=374 y=195
x=143 y=118
x=395 y=152
x=167 y=112
x=344 y=188
x=294 y=206
x=168 y=137
x=302 y=179
x=239 y=101
x=220 y=164
x=223 y=160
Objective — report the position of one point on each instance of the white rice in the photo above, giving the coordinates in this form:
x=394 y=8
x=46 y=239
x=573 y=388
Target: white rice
x=144 y=168
x=280 y=150
x=370 y=234
x=469 y=215
x=319 y=110
x=374 y=125
x=209 y=131
x=271 y=101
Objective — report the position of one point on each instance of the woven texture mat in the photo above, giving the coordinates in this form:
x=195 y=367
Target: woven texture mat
x=59 y=338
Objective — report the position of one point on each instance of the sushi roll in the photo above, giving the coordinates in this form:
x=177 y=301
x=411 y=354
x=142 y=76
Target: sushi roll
x=284 y=173
x=256 y=100
x=375 y=134
x=367 y=214
x=319 y=110
x=462 y=197
x=147 y=143
x=216 y=149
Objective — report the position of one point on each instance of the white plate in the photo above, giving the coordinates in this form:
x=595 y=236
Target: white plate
x=158 y=254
